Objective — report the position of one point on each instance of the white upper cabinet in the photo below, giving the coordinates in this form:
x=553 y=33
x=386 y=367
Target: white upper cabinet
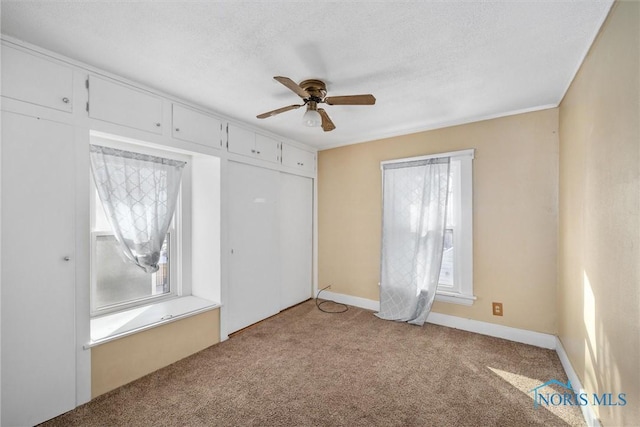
x=241 y=141
x=248 y=143
x=193 y=126
x=296 y=158
x=267 y=148
x=36 y=80
x=123 y=105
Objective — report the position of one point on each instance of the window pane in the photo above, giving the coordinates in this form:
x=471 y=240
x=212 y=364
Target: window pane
x=119 y=281
x=451 y=212
x=446 y=270
x=101 y=221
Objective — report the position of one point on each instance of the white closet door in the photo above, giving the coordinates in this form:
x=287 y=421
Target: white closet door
x=296 y=238
x=38 y=270
x=254 y=267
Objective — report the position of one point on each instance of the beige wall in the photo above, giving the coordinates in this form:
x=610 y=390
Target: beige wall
x=599 y=256
x=121 y=361
x=515 y=215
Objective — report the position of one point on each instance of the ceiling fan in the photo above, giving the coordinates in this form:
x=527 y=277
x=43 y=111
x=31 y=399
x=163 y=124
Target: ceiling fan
x=313 y=92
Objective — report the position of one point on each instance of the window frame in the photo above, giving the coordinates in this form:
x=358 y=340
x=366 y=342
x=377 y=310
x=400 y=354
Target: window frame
x=176 y=231
x=462 y=290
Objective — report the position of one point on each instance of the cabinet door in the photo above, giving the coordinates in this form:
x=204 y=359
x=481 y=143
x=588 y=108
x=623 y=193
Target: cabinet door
x=36 y=80
x=38 y=270
x=254 y=266
x=297 y=158
x=296 y=239
x=267 y=148
x=241 y=141
x=116 y=103
x=193 y=126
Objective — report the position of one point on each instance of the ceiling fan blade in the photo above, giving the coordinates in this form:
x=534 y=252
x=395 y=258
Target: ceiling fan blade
x=278 y=111
x=292 y=86
x=327 y=124
x=351 y=100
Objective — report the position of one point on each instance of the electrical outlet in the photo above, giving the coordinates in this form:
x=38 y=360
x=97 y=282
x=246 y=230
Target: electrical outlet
x=497 y=309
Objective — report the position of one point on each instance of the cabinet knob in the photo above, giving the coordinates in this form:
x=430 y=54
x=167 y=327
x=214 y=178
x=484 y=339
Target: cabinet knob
x=257 y=152
x=67 y=258
x=158 y=124
x=65 y=100
x=253 y=151
x=177 y=129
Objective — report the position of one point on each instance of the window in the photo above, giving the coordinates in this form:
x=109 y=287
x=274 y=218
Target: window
x=456 y=273
x=455 y=283
x=116 y=283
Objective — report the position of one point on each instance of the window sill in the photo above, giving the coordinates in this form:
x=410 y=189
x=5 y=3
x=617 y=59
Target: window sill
x=117 y=325
x=455 y=298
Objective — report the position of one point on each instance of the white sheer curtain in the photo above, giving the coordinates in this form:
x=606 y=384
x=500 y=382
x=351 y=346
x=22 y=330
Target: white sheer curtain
x=413 y=225
x=139 y=194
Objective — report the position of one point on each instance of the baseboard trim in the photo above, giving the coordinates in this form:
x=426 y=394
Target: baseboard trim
x=524 y=336
x=587 y=410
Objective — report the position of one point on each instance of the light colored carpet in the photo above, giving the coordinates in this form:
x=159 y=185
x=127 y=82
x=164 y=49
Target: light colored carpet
x=308 y=368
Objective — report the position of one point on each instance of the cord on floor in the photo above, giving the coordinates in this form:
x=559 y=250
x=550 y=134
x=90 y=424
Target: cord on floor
x=319 y=304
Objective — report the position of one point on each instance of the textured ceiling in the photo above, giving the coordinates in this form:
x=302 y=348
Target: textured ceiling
x=429 y=64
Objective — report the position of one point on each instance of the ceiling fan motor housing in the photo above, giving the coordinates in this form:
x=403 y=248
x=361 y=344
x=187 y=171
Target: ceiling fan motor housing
x=316 y=89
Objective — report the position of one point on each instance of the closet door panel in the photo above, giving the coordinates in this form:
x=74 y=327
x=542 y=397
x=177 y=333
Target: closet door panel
x=296 y=234
x=38 y=270
x=254 y=268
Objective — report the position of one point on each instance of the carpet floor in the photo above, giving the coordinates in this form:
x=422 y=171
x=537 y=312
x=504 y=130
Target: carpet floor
x=304 y=367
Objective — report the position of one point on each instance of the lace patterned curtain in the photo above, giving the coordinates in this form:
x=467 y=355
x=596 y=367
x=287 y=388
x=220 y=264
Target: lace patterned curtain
x=413 y=226
x=139 y=193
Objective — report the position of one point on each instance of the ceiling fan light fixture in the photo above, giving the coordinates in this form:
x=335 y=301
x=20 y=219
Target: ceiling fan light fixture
x=311 y=118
